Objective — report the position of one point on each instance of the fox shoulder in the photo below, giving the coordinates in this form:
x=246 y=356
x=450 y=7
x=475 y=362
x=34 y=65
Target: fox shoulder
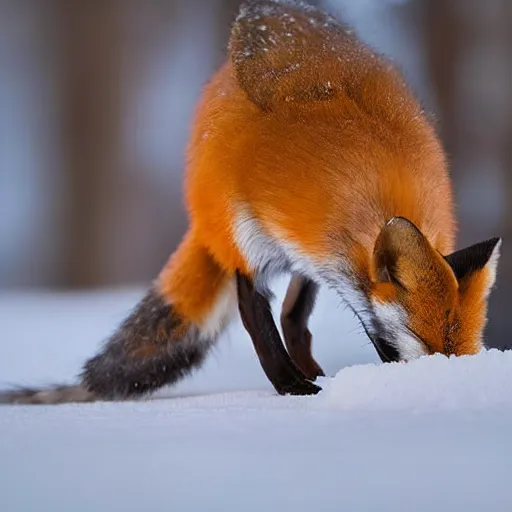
x=283 y=51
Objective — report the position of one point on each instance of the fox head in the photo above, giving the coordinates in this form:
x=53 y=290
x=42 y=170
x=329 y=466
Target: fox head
x=425 y=303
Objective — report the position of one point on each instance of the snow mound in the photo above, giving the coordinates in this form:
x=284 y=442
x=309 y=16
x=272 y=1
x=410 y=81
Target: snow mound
x=427 y=384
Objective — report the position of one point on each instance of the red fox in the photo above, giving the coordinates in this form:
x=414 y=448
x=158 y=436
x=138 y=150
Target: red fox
x=309 y=155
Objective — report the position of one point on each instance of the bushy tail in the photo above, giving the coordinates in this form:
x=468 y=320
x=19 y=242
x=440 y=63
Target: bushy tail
x=165 y=337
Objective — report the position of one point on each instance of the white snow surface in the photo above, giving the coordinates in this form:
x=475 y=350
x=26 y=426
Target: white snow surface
x=430 y=435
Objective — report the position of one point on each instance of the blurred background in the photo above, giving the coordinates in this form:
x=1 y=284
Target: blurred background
x=96 y=100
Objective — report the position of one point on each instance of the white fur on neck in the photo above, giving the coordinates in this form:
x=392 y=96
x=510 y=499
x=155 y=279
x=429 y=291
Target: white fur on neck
x=394 y=320
x=268 y=251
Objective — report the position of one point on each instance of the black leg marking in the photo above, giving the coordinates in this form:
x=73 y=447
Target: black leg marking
x=297 y=308
x=276 y=363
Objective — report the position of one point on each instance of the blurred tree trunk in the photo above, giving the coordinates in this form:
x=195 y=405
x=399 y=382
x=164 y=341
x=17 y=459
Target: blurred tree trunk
x=469 y=46
x=88 y=37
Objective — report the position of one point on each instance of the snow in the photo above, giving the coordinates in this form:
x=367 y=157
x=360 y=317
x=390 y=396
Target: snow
x=432 y=434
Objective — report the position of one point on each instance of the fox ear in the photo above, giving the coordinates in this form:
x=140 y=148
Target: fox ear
x=402 y=253
x=467 y=262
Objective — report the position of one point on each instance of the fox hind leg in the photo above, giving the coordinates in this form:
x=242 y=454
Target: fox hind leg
x=297 y=307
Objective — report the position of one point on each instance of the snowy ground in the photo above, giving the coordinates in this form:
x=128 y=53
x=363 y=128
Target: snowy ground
x=430 y=435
